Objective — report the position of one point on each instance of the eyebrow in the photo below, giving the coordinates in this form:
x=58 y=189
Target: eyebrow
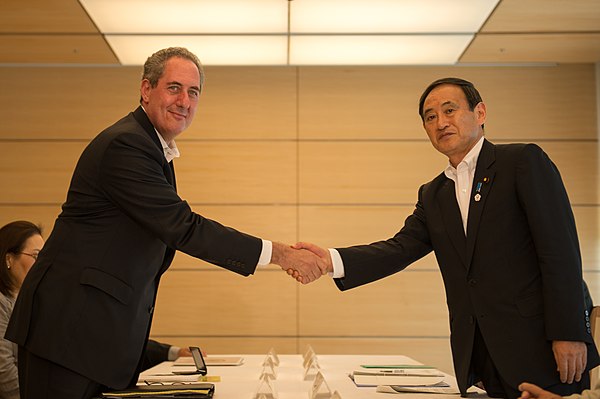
x=180 y=84
x=449 y=102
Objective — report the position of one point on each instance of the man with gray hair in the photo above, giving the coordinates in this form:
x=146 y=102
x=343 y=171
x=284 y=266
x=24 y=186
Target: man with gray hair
x=84 y=312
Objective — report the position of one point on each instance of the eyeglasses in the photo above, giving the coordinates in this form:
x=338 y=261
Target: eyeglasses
x=34 y=256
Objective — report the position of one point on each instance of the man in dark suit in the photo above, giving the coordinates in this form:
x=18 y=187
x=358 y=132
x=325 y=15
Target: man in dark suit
x=500 y=224
x=84 y=311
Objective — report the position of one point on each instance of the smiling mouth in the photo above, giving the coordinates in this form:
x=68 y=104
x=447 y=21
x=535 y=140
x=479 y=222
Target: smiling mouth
x=179 y=115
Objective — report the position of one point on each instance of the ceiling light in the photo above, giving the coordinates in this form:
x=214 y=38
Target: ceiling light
x=212 y=50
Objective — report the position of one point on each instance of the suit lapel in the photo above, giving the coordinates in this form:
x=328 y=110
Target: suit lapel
x=170 y=172
x=482 y=183
x=446 y=199
x=141 y=117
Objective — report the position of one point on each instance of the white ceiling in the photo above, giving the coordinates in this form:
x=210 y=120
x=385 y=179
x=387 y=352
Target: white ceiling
x=302 y=32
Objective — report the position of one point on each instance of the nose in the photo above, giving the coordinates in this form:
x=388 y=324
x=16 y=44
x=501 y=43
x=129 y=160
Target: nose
x=442 y=122
x=183 y=99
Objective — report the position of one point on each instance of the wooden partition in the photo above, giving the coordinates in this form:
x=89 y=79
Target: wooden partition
x=333 y=155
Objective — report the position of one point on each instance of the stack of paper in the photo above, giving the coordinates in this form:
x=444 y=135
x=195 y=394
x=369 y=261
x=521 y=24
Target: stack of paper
x=398 y=376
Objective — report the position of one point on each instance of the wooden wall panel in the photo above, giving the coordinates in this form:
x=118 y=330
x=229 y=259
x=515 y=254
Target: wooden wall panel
x=38 y=172
x=65 y=103
x=260 y=104
x=405 y=304
x=55 y=49
x=366 y=172
x=45 y=215
x=382 y=103
x=224 y=172
x=223 y=303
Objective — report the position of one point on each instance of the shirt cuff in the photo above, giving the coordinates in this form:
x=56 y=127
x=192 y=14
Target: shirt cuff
x=266 y=253
x=338 y=264
x=173 y=353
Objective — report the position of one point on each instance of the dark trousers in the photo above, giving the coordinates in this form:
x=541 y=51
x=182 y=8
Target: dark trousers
x=43 y=379
x=483 y=370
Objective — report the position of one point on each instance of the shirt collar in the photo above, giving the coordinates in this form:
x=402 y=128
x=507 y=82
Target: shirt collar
x=470 y=160
x=170 y=150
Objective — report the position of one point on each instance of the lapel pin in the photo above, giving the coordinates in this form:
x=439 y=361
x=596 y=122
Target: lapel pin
x=477 y=197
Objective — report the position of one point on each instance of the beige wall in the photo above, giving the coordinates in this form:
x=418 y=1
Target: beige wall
x=333 y=155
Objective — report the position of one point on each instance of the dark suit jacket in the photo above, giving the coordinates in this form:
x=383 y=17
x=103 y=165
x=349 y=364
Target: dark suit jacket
x=517 y=273
x=87 y=303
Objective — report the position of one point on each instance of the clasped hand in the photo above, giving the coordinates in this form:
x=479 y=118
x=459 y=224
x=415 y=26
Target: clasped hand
x=304 y=262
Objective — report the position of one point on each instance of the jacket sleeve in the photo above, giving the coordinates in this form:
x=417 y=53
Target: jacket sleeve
x=367 y=263
x=132 y=176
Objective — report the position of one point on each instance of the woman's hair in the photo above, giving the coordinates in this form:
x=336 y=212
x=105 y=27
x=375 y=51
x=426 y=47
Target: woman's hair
x=12 y=241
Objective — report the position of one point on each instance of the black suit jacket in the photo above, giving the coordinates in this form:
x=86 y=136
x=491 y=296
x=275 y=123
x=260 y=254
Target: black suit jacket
x=87 y=303
x=517 y=272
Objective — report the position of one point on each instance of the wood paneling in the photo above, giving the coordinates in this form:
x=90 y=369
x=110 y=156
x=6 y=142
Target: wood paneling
x=44 y=16
x=44 y=215
x=371 y=103
x=65 y=103
x=405 y=304
x=55 y=49
x=226 y=304
x=237 y=172
x=261 y=104
x=534 y=47
x=38 y=172
x=544 y=16
x=366 y=172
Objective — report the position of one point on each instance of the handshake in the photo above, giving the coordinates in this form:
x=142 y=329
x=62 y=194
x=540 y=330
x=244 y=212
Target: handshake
x=303 y=261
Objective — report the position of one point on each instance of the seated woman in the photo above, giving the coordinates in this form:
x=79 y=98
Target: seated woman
x=20 y=243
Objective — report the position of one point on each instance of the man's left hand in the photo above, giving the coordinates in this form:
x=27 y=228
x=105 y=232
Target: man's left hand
x=571 y=359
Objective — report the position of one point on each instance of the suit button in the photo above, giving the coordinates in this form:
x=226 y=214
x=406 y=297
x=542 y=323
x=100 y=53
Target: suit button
x=472 y=282
x=471 y=320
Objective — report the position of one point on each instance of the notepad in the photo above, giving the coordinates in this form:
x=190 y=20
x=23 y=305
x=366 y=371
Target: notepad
x=362 y=380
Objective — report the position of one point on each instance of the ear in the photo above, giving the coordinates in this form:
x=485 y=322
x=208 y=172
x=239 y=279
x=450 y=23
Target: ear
x=480 y=113
x=145 y=90
x=8 y=261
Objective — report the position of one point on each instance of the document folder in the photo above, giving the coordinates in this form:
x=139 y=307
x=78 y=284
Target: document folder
x=180 y=391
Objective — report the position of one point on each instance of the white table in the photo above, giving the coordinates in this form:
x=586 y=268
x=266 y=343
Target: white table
x=241 y=382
